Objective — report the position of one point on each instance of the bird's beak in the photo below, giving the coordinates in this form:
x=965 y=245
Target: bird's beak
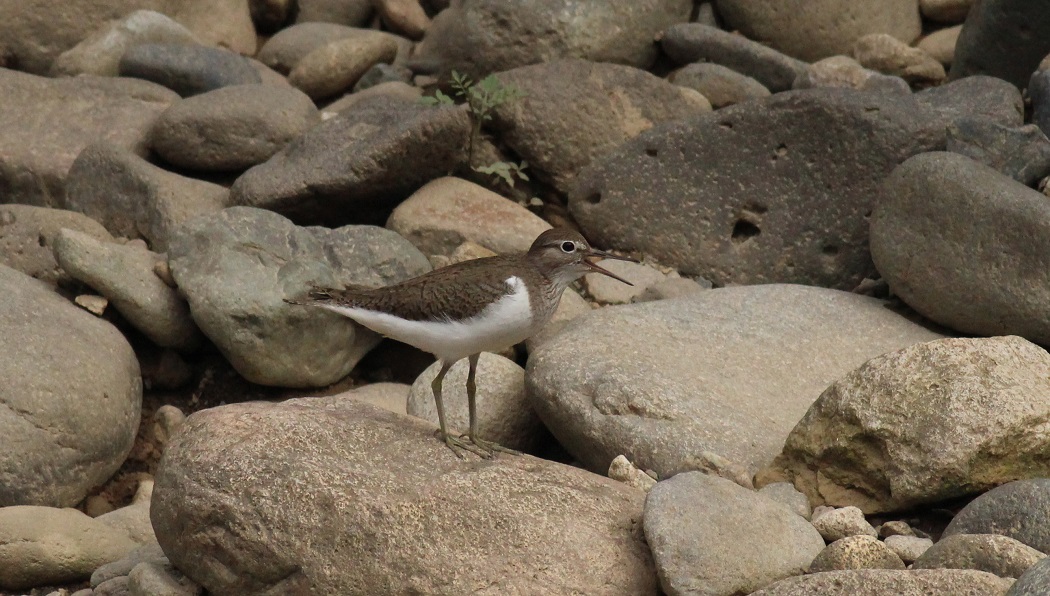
x=604 y=255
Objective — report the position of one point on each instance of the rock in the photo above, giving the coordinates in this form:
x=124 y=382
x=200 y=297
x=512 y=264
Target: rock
x=134 y=198
x=571 y=306
x=27 y=234
x=389 y=396
x=44 y=545
x=37 y=31
x=788 y=496
x=448 y=211
x=358 y=165
x=720 y=85
x=941 y=44
x=924 y=424
x=855 y=552
x=100 y=53
x=891 y=56
x=997 y=40
x=843 y=71
x=607 y=290
x=353 y=13
x=334 y=67
x=404 y=16
x=1039 y=92
x=118 y=586
x=72 y=395
x=671 y=287
x=124 y=275
x=686 y=43
x=918 y=202
x=1017 y=509
x=975 y=97
x=187 y=70
x=392 y=91
x=1022 y=153
x=945 y=11
x=270 y=15
x=33 y=166
x=687 y=518
x=123 y=566
x=289 y=46
x=633 y=380
x=590 y=108
x=878 y=582
x=993 y=553
x=133 y=519
x=623 y=470
x=908 y=548
x=236 y=268
x=694 y=194
x=383 y=73
x=94 y=304
x=813 y=30
x=232 y=128
x=478 y=37
x=477 y=524
x=837 y=524
x=898 y=528
x=156 y=579
x=504 y=414
x=1034 y=581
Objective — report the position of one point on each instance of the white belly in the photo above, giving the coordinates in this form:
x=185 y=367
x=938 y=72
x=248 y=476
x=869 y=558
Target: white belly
x=501 y=325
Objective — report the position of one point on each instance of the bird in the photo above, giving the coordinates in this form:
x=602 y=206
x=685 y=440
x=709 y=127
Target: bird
x=464 y=309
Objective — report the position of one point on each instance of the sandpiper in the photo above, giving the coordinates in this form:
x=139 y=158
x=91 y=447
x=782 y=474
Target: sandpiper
x=459 y=311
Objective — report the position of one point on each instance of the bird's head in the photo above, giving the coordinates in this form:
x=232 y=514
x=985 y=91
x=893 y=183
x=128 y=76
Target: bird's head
x=564 y=256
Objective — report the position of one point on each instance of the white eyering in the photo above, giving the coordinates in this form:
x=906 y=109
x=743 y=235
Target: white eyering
x=500 y=325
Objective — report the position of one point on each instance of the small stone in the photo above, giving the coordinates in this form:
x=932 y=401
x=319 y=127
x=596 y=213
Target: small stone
x=187 y=69
x=1001 y=555
x=404 y=16
x=787 y=495
x=843 y=71
x=908 y=548
x=941 y=44
x=855 y=552
x=895 y=528
x=100 y=53
x=92 y=303
x=843 y=522
x=27 y=235
x=891 y=56
x=167 y=419
x=335 y=67
x=623 y=470
x=720 y=85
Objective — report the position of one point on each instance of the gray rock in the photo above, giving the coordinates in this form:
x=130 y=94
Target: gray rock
x=844 y=522
x=997 y=40
x=920 y=201
x=100 y=53
x=787 y=495
x=123 y=566
x=720 y=85
x=908 y=548
x=856 y=552
x=187 y=70
x=479 y=37
x=134 y=198
x=383 y=73
x=924 y=424
x=814 y=30
x=1034 y=582
x=1022 y=153
x=28 y=233
x=686 y=43
x=634 y=380
x=687 y=519
x=843 y=71
x=232 y=128
x=133 y=519
x=124 y=275
x=1020 y=510
x=354 y=13
x=977 y=96
x=449 y=211
x=880 y=582
x=78 y=112
x=993 y=553
x=284 y=50
x=337 y=66
x=734 y=196
x=156 y=579
x=236 y=268
x=71 y=395
x=607 y=290
x=591 y=108
x=359 y=164
x=45 y=545
x=382 y=491
x=504 y=414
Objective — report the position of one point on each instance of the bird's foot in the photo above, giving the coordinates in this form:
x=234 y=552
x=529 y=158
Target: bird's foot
x=490 y=447
x=459 y=446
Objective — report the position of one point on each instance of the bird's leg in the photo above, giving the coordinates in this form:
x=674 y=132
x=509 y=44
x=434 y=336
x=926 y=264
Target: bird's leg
x=453 y=443
x=472 y=406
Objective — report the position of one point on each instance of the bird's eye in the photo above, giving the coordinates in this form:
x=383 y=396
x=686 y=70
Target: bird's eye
x=568 y=246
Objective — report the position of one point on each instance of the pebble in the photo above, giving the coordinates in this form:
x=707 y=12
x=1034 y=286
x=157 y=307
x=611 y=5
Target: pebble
x=908 y=548
x=720 y=85
x=623 y=470
x=335 y=67
x=993 y=553
x=836 y=524
x=855 y=552
x=940 y=44
x=889 y=55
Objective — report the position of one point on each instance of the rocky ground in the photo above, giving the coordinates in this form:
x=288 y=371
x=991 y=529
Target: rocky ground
x=828 y=378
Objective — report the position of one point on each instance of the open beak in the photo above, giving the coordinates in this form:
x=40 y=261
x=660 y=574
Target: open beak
x=604 y=255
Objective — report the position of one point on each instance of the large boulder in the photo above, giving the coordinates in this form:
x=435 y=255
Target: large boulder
x=1019 y=510
x=998 y=40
